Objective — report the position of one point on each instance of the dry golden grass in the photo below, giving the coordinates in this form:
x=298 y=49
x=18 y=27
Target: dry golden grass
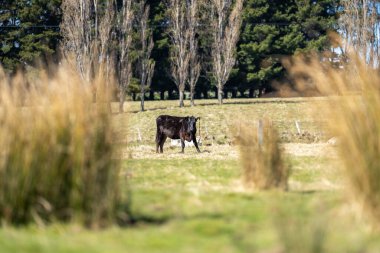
x=261 y=157
x=56 y=149
x=354 y=114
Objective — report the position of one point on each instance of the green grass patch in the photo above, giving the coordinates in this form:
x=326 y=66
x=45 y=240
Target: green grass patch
x=313 y=168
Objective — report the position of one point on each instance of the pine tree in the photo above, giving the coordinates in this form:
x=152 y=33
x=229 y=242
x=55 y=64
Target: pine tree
x=29 y=31
x=161 y=80
x=273 y=29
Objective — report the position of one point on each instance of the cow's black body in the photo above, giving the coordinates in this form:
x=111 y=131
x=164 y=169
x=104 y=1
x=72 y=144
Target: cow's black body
x=183 y=128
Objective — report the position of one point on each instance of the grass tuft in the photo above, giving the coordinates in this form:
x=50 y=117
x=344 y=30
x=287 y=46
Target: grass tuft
x=261 y=157
x=56 y=157
x=354 y=118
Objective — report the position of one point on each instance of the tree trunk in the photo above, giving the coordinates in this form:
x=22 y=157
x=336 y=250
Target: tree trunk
x=151 y=95
x=220 y=95
x=192 y=98
x=170 y=94
x=205 y=94
x=260 y=93
x=162 y=95
x=181 y=95
x=134 y=96
x=234 y=93
x=242 y=95
x=251 y=92
x=142 y=100
x=121 y=100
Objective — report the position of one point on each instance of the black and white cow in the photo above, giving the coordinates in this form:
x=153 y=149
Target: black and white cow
x=183 y=128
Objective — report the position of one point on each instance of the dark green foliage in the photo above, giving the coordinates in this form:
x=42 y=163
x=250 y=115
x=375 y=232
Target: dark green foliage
x=161 y=79
x=274 y=29
x=270 y=30
x=28 y=31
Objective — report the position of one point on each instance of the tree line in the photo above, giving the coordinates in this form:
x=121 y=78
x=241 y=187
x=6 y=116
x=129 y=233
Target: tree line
x=171 y=48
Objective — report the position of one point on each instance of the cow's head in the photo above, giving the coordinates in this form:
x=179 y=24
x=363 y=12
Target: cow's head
x=191 y=123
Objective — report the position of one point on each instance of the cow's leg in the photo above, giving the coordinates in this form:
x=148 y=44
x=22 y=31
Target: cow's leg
x=158 y=140
x=163 y=139
x=183 y=145
x=196 y=143
x=157 y=145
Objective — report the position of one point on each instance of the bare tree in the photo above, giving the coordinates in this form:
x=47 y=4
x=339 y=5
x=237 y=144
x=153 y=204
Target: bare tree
x=103 y=31
x=125 y=40
x=105 y=52
x=179 y=55
x=146 y=65
x=78 y=42
x=359 y=26
x=86 y=35
x=226 y=25
x=194 y=65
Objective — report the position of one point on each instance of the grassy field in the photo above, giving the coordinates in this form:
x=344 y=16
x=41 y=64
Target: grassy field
x=196 y=202
x=216 y=121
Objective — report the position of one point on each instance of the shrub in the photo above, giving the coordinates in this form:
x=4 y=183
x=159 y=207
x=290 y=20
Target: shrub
x=354 y=117
x=263 y=165
x=56 y=151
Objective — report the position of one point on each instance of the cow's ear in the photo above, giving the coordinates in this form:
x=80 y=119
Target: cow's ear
x=198 y=118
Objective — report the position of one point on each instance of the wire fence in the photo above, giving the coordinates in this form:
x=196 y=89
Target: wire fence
x=2 y=26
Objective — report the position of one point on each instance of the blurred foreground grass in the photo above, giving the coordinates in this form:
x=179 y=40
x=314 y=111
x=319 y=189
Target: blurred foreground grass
x=200 y=206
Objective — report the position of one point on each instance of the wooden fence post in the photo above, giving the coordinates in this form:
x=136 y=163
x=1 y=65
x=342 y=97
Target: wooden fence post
x=298 y=127
x=139 y=134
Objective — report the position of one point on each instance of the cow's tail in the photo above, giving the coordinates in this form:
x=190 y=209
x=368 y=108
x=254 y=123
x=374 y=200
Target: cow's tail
x=200 y=136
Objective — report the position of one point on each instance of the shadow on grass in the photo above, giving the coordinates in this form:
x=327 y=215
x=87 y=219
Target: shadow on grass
x=268 y=101
x=310 y=192
x=152 y=109
x=305 y=192
x=143 y=219
x=137 y=220
x=199 y=216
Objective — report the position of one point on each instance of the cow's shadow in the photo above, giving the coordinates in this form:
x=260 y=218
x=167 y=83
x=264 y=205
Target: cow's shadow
x=182 y=153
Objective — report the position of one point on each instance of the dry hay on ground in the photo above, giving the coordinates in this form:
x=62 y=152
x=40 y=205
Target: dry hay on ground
x=222 y=152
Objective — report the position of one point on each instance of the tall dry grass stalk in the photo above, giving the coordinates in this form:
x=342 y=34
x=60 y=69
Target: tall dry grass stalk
x=56 y=151
x=353 y=116
x=261 y=157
